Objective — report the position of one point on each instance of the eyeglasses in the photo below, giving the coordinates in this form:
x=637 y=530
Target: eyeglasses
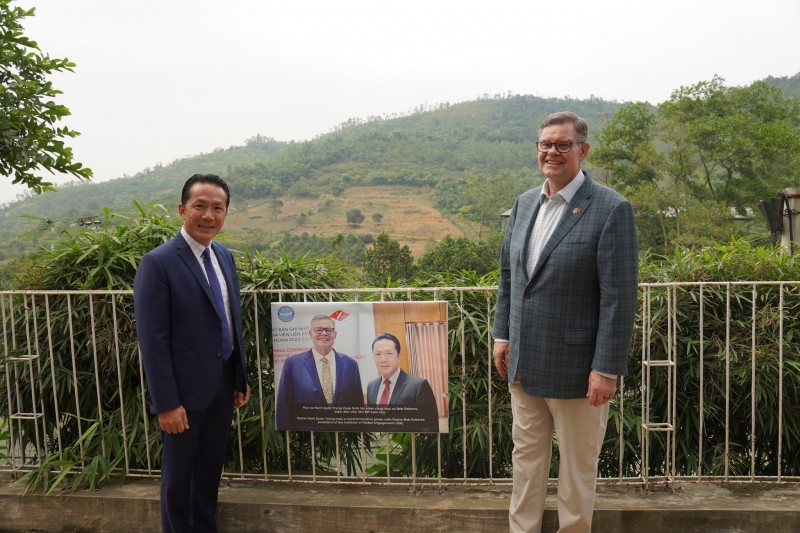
x=562 y=147
x=322 y=330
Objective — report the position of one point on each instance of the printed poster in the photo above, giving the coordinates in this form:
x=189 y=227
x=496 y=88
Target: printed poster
x=360 y=366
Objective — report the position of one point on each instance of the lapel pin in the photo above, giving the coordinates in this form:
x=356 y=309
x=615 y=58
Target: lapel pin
x=576 y=211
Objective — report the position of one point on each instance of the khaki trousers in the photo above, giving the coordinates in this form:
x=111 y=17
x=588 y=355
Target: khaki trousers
x=580 y=430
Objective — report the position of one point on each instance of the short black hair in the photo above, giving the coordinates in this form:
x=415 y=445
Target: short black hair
x=205 y=178
x=387 y=336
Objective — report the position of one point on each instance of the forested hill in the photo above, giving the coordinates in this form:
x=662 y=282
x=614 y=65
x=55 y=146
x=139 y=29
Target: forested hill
x=434 y=152
x=447 y=169
x=790 y=85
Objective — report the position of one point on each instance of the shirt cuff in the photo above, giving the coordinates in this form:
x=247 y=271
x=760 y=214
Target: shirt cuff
x=609 y=376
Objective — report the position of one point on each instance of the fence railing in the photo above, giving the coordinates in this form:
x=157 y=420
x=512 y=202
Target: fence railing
x=713 y=392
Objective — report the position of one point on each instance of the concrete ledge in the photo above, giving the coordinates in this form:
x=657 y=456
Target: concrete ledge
x=283 y=507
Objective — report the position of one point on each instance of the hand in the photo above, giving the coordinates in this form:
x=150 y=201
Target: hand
x=239 y=399
x=174 y=421
x=500 y=355
x=601 y=389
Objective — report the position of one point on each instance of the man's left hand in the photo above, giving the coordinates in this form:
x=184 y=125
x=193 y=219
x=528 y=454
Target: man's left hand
x=239 y=399
x=601 y=389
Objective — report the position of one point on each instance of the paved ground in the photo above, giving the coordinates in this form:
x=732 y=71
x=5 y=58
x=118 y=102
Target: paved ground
x=283 y=507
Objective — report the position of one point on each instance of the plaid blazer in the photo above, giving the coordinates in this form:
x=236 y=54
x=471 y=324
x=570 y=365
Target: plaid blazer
x=575 y=312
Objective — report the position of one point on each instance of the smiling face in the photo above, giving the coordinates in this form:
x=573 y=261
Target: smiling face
x=323 y=334
x=386 y=356
x=560 y=168
x=204 y=212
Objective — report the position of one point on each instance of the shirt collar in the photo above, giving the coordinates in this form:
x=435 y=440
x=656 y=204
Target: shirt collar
x=393 y=377
x=568 y=192
x=318 y=356
x=196 y=247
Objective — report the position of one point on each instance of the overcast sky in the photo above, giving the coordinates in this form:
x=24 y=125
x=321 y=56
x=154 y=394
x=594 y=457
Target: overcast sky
x=157 y=80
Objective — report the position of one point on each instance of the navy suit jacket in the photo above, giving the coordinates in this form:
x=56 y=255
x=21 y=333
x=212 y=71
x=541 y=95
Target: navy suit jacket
x=179 y=329
x=575 y=311
x=409 y=390
x=300 y=385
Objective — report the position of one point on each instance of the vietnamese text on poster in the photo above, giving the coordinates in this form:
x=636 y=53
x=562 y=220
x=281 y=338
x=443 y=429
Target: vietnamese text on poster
x=360 y=366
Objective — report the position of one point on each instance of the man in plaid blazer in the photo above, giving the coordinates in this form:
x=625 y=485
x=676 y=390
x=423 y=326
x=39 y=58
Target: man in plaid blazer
x=563 y=324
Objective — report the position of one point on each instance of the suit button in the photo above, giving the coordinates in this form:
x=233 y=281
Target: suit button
x=219 y=353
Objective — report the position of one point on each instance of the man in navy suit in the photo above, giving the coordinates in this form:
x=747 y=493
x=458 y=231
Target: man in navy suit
x=189 y=326
x=566 y=303
x=317 y=377
x=395 y=387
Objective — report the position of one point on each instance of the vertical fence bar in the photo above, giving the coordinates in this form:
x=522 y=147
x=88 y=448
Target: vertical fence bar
x=288 y=455
x=51 y=356
x=313 y=458
x=30 y=355
x=780 y=384
x=39 y=382
x=702 y=389
x=97 y=388
x=118 y=359
x=672 y=378
x=463 y=348
x=490 y=386
x=727 y=379
x=643 y=385
x=753 y=385
x=260 y=372
x=6 y=349
x=338 y=457
x=78 y=418
x=387 y=448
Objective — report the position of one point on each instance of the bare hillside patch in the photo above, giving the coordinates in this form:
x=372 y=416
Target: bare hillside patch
x=407 y=215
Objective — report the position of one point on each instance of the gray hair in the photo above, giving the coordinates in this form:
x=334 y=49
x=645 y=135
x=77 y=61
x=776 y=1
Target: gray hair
x=567 y=117
x=318 y=318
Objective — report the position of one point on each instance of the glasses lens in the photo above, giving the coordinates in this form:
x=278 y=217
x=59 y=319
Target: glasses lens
x=544 y=146
x=564 y=146
x=323 y=330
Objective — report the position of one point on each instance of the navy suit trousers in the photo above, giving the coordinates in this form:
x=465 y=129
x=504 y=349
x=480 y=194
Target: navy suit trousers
x=192 y=463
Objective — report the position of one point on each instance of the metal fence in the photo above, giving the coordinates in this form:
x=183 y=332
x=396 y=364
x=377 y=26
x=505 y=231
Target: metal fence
x=713 y=392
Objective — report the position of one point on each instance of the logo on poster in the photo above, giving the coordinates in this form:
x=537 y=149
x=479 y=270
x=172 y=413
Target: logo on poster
x=339 y=315
x=286 y=314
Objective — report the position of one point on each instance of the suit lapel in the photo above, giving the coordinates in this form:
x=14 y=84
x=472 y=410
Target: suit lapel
x=399 y=386
x=575 y=211
x=190 y=260
x=311 y=368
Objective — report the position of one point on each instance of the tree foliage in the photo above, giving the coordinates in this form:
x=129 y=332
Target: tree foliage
x=707 y=149
x=30 y=141
x=354 y=217
x=489 y=195
x=387 y=261
x=461 y=254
